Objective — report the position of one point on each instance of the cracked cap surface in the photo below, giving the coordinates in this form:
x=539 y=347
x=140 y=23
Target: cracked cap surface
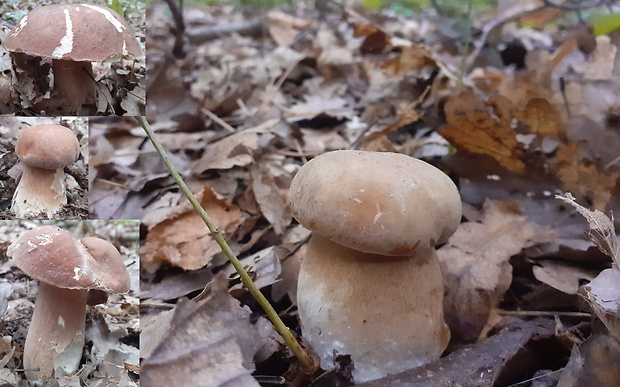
x=78 y=32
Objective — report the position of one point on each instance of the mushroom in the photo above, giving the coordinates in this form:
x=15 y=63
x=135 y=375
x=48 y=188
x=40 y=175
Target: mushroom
x=73 y=36
x=66 y=270
x=370 y=284
x=44 y=150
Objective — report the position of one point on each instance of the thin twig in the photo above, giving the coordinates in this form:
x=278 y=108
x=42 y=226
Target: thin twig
x=217 y=119
x=272 y=315
x=179 y=32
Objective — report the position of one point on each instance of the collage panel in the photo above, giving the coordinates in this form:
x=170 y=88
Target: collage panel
x=309 y=193
x=44 y=168
x=68 y=302
x=68 y=58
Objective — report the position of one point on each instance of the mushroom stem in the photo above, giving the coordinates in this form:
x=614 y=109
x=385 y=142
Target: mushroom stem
x=56 y=334
x=74 y=80
x=39 y=190
x=386 y=312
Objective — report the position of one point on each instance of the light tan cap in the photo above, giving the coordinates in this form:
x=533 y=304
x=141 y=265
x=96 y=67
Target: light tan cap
x=53 y=256
x=376 y=202
x=47 y=146
x=79 y=32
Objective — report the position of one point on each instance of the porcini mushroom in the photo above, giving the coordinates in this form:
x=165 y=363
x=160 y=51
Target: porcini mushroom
x=370 y=284
x=44 y=150
x=73 y=36
x=66 y=269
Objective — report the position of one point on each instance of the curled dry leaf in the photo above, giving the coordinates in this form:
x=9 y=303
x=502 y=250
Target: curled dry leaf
x=233 y=151
x=594 y=363
x=583 y=177
x=6 y=350
x=562 y=276
x=473 y=129
x=264 y=267
x=488 y=363
x=284 y=28
x=214 y=338
x=475 y=265
x=603 y=293
x=5 y=292
x=182 y=239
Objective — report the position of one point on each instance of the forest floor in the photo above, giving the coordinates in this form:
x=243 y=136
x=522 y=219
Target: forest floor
x=241 y=98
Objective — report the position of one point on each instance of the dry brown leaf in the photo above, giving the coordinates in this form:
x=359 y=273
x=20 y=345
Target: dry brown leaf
x=540 y=117
x=182 y=239
x=264 y=267
x=375 y=40
x=473 y=129
x=411 y=58
x=6 y=350
x=271 y=200
x=475 y=265
x=209 y=343
x=284 y=28
x=562 y=276
x=603 y=292
x=233 y=151
x=600 y=66
x=582 y=177
x=594 y=363
x=406 y=115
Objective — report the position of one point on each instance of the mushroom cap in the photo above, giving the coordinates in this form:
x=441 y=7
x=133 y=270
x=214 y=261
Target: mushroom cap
x=381 y=203
x=78 y=32
x=47 y=146
x=53 y=256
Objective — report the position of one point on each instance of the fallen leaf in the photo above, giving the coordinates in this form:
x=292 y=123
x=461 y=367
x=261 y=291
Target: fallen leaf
x=182 y=239
x=603 y=292
x=284 y=28
x=483 y=364
x=271 y=199
x=263 y=266
x=6 y=350
x=210 y=343
x=562 y=276
x=475 y=265
x=411 y=58
x=583 y=177
x=594 y=363
x=473 y=128
x=375 y=40
x=232 y=151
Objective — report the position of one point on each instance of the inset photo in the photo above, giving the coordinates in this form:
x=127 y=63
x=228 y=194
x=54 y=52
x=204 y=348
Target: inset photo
x=43 y=168
x=66 y=58
x=68 y=303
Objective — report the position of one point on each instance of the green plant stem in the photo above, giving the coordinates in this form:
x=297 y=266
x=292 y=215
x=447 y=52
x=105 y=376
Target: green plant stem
x=278 y=324
x=465 y=48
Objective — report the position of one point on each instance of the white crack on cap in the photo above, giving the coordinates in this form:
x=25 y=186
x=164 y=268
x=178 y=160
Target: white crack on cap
x=66 y=42
x=108 y=15
x=45 y=239
x=20 y=26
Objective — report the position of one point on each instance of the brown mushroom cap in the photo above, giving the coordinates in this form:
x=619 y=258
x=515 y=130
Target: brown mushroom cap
x=47 y=146
x=381 y=203
x=78 y=32
x=53 y=256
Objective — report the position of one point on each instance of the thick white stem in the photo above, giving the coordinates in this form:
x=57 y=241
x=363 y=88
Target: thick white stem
x=386 y=312
x=56 y=333
x=74 y=81
x=39 y=190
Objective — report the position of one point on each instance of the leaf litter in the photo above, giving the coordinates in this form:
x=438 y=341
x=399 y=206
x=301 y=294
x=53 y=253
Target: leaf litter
x=254 y=95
